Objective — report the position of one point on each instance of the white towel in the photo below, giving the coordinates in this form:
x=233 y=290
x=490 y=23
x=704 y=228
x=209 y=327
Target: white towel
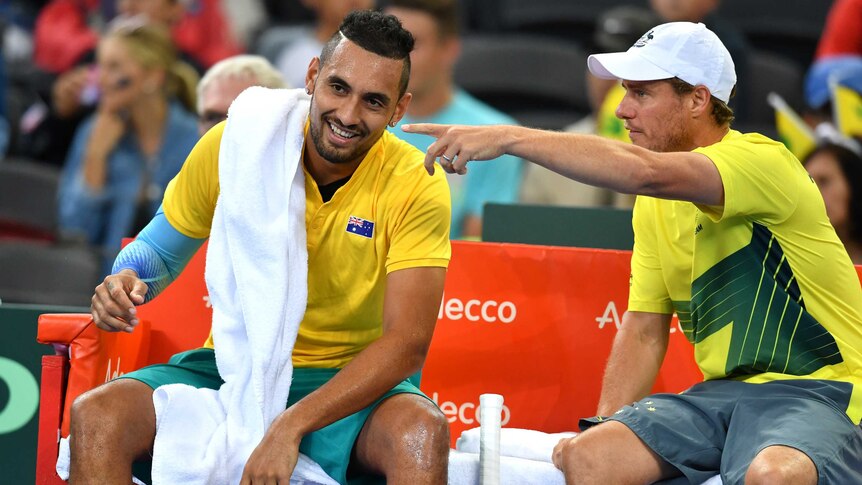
x=464 y=470
x=514 y=442
x=256 y=272
x=525 y=458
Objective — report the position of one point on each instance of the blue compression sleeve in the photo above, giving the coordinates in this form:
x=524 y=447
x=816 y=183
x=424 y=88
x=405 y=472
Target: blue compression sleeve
x=157 y=255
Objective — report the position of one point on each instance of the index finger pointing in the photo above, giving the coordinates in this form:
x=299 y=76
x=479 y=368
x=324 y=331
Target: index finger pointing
x=432 y=129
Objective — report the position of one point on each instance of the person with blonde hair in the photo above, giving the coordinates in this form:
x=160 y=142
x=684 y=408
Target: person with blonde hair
x=223 y=82
x=123 y=155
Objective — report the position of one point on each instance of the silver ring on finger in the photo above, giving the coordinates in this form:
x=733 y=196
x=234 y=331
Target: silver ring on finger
x=446 y=158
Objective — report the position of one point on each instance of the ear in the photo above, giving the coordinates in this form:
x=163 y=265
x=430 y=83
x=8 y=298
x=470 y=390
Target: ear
x=311 y=75
x=700 y=100
x=401 y=108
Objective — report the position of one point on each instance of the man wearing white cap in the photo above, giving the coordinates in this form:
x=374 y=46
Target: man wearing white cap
x=732 y=235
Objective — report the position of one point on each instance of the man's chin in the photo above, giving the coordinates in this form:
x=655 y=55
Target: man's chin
x=338 y=157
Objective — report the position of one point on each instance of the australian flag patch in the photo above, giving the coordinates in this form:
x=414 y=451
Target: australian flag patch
x=357 y=225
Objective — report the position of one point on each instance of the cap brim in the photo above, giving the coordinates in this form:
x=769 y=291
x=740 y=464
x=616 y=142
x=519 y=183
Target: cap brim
x=625 y=65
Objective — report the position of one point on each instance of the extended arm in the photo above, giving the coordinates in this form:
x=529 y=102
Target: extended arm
x=409 y=314
x=141 y=271
x=635 y=359
x=586 y=158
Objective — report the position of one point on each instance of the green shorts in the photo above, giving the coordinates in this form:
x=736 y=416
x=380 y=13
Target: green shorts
x=720 y=426
x=331 y=447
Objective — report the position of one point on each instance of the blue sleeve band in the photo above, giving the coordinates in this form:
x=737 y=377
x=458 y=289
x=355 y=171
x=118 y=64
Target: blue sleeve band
x=157 y=255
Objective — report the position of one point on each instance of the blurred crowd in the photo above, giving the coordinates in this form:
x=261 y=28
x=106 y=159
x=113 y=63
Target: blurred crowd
x=105 y=98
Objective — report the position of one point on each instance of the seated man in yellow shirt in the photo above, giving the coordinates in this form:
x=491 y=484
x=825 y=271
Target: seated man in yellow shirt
x=378 y=247
x=731 y=234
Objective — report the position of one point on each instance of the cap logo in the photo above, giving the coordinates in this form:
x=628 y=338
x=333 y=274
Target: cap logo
x=644 y=39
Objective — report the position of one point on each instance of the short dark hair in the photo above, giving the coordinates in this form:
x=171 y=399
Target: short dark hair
x=721 y=112
x=375 y=32
x=445 y=13
x=851 y=167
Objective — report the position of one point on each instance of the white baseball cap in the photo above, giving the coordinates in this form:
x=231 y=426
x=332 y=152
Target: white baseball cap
x=685 y=50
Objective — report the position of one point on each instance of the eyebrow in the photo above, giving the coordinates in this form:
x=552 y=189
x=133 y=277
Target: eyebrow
x=382 y=97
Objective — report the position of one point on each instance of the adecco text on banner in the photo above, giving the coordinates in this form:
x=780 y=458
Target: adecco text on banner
x=476 y=310
x=465 y=413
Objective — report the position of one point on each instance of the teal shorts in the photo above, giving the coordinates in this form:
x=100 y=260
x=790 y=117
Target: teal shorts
x=720 y=426
x=331 y=447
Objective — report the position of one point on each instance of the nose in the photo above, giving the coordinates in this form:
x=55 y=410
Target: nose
x=625 y=110
x=348 y=112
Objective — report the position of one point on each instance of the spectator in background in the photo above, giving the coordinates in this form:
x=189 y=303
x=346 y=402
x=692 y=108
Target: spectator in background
x=616 y=30
x=223 y=82
x=845 y=70
x=837 y=170
x=842 y=34
x=305 y=42
x=124 y=155
x=434 y=24
x=67 y=32
x=246 y=18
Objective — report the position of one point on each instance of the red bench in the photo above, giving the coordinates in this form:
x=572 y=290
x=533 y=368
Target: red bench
x=533 y=323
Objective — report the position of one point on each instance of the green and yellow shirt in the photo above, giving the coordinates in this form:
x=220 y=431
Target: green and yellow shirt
x=762 y=285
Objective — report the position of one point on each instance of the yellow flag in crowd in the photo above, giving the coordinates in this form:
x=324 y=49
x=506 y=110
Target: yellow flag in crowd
x=608 y=125
x=847 y=106
x=796 y=135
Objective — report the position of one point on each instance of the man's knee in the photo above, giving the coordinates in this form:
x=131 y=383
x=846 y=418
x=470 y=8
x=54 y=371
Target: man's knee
x=581 y=455
x=425 y=433
x=91 y=409
x=416 y=431
x=610 y=453
x=781 y=465
x=117 y=407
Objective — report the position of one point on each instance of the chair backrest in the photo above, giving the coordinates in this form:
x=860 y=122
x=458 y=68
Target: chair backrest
x=28 y=199
x=788 y=18
x=273 y=40
x=585 y=227
x=537 y=80
x=792 y=27
x=768 y=72
x=560 y=18
x=47 y=274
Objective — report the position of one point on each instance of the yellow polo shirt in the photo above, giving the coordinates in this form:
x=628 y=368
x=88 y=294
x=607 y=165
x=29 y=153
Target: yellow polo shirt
x=389 y=216
x=762 y=286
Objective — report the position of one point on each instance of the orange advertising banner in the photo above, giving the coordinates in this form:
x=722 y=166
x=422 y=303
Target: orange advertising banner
x=534 y=324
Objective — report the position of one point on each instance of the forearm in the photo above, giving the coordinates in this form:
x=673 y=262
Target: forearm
x=157 y=255
x=635 y=359
x=622 y=167
x=586 y=158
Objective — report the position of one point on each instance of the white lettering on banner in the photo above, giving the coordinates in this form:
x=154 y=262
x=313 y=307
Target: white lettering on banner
x=610 y=316
x=108 y=375
x=466 y=413
x=23 y=396
x=476 y=310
